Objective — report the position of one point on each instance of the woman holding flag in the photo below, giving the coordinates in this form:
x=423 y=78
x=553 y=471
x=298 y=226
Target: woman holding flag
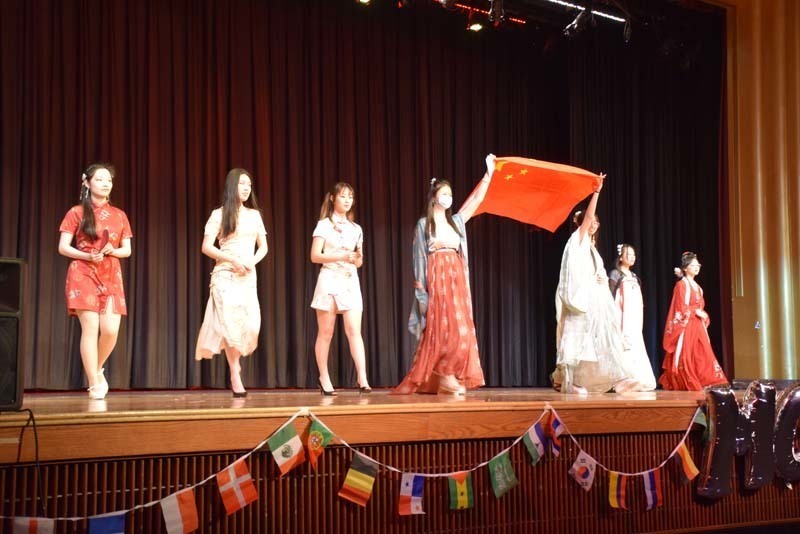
x=588 y=341
x=446 y=359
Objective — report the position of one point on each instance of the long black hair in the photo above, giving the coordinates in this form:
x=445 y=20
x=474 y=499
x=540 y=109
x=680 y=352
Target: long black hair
x=326 y=210
x=230 y=200
x=430 y=224
x=87 y=225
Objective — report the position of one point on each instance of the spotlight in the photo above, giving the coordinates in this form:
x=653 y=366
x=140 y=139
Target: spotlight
x=496 y=12
x=576 y=26
x=473 y=24
x=365 y=2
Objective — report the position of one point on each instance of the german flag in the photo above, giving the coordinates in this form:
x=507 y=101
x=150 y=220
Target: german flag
x=358 y=483
x=616 y=490
x=460 y=485
x=687 y=468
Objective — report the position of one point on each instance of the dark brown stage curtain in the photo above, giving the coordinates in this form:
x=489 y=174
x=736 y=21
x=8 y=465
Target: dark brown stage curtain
x=305 y=93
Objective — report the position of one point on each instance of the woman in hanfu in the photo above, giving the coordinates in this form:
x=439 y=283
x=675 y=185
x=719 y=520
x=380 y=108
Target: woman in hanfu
x=689 y=361
x=446 y=359
x=627 y=292
x=588 y=342
x=233 y=317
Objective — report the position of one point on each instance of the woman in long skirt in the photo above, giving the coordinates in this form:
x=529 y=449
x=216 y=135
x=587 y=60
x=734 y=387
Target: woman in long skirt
x=446 y=359
x=233 y=316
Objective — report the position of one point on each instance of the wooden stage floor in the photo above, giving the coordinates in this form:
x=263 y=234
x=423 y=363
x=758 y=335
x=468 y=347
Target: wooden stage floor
x=128 y=423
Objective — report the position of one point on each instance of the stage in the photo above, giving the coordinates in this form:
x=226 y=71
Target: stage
x=138 y=447
x=176 y=422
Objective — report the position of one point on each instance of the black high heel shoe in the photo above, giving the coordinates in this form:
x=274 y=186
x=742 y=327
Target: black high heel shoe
x=363 y=390
x=324 y=392
x=239 y=394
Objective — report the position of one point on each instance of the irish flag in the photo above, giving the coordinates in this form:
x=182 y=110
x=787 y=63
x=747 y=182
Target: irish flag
x=287 y=449
x=536 y=192
x=180 y=512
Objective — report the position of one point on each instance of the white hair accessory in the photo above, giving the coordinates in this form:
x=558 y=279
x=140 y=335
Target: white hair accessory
x=433 y=181
x=619 y=249
x=83 y=176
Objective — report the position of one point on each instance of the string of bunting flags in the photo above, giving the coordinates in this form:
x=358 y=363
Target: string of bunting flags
x=237 y=489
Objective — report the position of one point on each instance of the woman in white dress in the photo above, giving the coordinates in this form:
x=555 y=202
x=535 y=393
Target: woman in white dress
x=233 y=317
x=338 y=246
x=588 y=340
x=627 y=292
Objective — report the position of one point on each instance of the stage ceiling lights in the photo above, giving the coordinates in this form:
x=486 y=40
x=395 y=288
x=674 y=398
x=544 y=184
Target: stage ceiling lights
x=496 y=12
x=593 y=11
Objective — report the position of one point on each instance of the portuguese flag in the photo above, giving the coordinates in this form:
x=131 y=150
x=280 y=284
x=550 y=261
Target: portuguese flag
x=318 y=438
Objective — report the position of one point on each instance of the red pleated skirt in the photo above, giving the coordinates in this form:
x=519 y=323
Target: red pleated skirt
x=448 y=345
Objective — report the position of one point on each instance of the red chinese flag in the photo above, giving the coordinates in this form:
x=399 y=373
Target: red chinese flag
x=536 y=192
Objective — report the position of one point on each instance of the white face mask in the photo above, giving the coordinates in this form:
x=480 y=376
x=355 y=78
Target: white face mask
x=445 y=201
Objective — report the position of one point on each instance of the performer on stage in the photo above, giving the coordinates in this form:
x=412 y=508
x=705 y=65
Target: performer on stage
x=446 y=359
x=233 y=318
x=337 y=245
x=94 y=289
x=626 y=290
x=689 y=361
x=588 y=341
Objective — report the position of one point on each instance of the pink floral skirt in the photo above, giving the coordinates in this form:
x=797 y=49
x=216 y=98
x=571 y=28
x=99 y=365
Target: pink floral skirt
x=448 y=345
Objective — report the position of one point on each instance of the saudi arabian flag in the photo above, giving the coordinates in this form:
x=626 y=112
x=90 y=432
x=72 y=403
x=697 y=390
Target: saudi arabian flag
x=287 y=449
x=460 y=485
x=318 y=438
x=501 y=474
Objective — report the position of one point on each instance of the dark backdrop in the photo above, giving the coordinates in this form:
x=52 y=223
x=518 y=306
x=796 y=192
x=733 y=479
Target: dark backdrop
x=305 y=93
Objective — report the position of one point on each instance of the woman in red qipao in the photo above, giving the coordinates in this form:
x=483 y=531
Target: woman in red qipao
x=689 y=361
x=94 y=289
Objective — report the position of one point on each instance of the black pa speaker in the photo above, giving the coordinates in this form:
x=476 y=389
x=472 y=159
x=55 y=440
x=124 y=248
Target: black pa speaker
x=12 y=372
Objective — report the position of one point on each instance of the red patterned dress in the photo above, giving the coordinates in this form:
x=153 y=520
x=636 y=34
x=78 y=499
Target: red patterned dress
x=96 y=286
x=689 y=361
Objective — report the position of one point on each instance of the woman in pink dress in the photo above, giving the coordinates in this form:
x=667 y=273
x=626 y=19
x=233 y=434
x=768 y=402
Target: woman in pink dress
x=337 y=245
x=233 y=316
x=446 y=360
x=689 y=361
x=94 y=289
